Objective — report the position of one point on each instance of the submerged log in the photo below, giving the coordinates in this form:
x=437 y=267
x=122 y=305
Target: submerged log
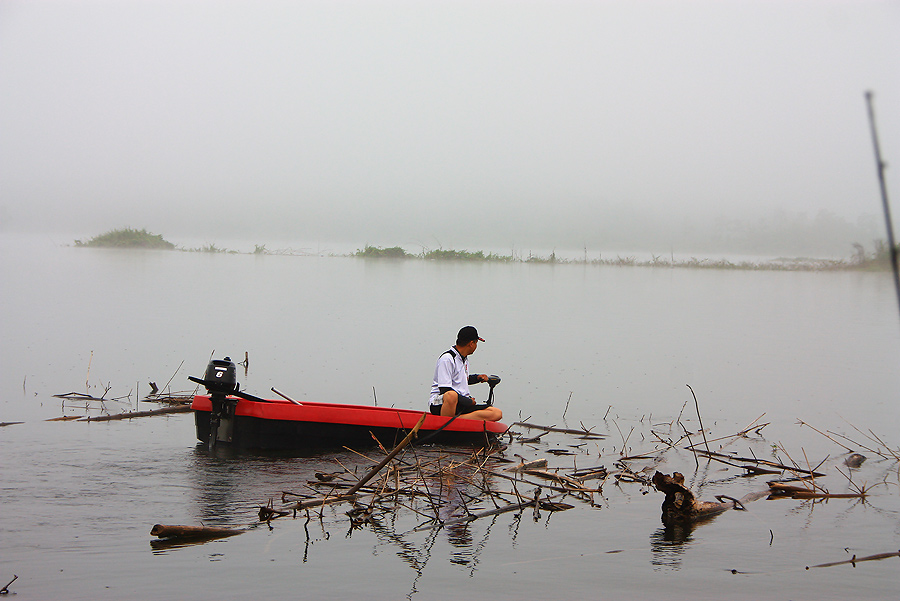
x=680 y=504
x=130 y=414
x=574 y=484
x=79 y=396
x=854 y=560
x=583 y=433
x=528 y=465
x=590 y=473
x=191 y=532
x=323 y=501
x=780 y=489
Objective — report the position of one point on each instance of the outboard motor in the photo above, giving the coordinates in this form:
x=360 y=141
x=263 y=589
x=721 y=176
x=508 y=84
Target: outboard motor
x=220 y=381
x=492 y=381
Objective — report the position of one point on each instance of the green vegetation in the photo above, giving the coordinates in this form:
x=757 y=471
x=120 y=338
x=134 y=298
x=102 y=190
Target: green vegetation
x=397 y=252
x=211 y=248
x=878 y=260
x=127 y=238
x=376 y=252
x=535 y=259
x=453 y=255
x=464 y=255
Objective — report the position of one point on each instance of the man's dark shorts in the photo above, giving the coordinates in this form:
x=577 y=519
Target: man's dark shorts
x=465 y=404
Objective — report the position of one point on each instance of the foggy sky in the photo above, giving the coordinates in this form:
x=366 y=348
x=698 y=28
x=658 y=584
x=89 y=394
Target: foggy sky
x=454 y=124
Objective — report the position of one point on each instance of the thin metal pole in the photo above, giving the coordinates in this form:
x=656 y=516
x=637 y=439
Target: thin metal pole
x=884 y=198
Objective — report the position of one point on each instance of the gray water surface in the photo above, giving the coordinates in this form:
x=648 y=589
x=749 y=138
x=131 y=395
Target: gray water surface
x=613 y=348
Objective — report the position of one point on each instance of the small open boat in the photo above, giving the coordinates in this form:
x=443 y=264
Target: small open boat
x=227 y=416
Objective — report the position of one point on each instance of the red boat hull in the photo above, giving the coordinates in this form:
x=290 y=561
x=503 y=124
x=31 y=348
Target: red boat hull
x=282 y=425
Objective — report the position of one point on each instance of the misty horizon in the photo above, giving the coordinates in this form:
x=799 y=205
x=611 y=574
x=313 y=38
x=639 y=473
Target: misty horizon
x=636 y=126
x=779 y=234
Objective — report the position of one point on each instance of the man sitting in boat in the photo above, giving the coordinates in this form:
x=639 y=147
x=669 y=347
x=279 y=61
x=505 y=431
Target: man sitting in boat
x=450 y=389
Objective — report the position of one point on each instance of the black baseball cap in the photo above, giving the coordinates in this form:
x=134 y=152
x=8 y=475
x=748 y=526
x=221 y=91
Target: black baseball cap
x=467 y=335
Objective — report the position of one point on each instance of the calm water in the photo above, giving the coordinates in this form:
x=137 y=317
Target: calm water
x=78 y=499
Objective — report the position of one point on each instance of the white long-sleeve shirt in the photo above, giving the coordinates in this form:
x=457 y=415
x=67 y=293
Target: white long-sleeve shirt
x=451 y=371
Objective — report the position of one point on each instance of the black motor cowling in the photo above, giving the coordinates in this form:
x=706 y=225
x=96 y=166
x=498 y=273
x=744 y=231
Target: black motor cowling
x=221 y=377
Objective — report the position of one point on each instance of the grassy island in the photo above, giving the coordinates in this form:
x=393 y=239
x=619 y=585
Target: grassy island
x=127 y=238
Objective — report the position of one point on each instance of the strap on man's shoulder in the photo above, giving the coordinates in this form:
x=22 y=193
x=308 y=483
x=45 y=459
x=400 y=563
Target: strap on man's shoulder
x=448 y=352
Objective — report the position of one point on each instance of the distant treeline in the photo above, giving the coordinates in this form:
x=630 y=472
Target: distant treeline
x=879 y=259
x=396 y=252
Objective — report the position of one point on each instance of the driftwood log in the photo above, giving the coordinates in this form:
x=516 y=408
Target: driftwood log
x=193 y=533
x=131 y=414
x=680 y=504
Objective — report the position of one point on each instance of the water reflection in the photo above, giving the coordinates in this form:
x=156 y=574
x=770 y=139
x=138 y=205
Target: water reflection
x=222 y=486
x=451 y=506
x=309 y=540
x=229 y=486
x=669 y=543
x=214 y=488
x=451 y=498
x=416 y=557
